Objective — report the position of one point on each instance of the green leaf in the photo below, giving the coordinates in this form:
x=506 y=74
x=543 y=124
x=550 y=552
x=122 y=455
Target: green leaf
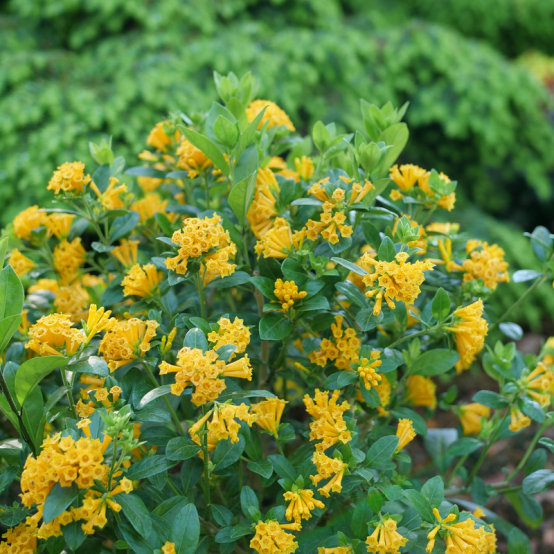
x=420 y=427
x=293 y=271
x=265 y=285
x=433 y=491
x=123 y=225
x=441 y=305
x=525 y=275
x=242 y=193
x=374 y=499
x=31 y=373
x=248 y=499
x=367 y=321
x=317 y=303
x=8 y=327
x=538 y=481
x=11 y=293
x=275 y=326
x=207 y=147
x=352 y=292
x=239 y=394
x=137 y=513
x=248 y=133
x=181 y=448
x=436 y=443
x=435 y=362
x=4 y=243
x=386 y=252
x=58 y=500
x=490 y=399
x=541 y=242
x=463 y=446
x=243 y=529
x=92 y=364
x=479 y=491
x=549 y=443
x=511 y=330
x=145 y=171
x=381 y=451
x=420 y=504
x=153 y=394
x=518 y=542
x=196 y=338
x=360 y=518
x=222 y=515
x=185 y=530
x=227 y=453
x=225 y=132
x=234 y=280
x=8 y=475
x=395 y=136
x=283 y=468
x=148 y=467
x=132 y=538
x=261 y=467
x=73 y=534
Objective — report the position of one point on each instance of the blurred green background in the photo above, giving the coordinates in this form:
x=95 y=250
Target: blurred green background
x=477 y=73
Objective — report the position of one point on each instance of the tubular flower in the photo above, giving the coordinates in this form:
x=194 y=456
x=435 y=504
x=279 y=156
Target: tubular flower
x=518 y=420
x=421 y=391
x=273 y=114
x=405 y=433
x=204 y=371
x=27 y=220
x=149 y=206
x=270 y=538
x=68 y=258
x=301 y=504
x=268 y=414
x=45 y=284
x=262 y=211
x=304 y=167
x=205 y=239
x=470 y=333
x=383 y=389
x=53 y=334
x=343 y=350
x=72 y=300
x=406 y=176
x=223 y=425
x=433 y=533
x=21 y=539
x=98 y=320
x=445 y=202
x=464 y=537
x=471 y=416
x=280 y=241
x=127 y=340
x=538 y=384
x=287 y=293
x=160 y=138
x=168 y=548
x=385 y=538
x=328 y=467
x=355 y=277
x=59 y=224
x=127 y=252
x=329 y=425
x=367 y=369
x=231 y=333
x=486 y=263
x=141 y=281
x=20 y=263
x=192 y=159
x=69 y=177
x=398 y=280
x=110 y=198
x=445 y=248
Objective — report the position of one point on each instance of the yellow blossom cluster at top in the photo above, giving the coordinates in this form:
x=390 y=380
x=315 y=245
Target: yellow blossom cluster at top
x=486 y=263
x=287 y=293
x=69 y=177
x=301 y=504
x=328 y=468
x=192 y=159
x=270 y=538
x=273 y=115
x=268 y=414
x=53 y=333
x=343 y=350
x=231 y=333
x=141 y=281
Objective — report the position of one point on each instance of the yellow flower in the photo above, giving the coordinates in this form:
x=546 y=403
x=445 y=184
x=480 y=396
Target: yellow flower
x=59 y=224
x=45 y=284
x=421 y=391
x=127 y=251
x=471 y=416
x=20 y=263
x=268 y=414
x=148 y=206
x=405 y=433
x=445 y=228
x=68 y=258
x=141 y=281
x=271 y=539
x=231 y=333
x=52 y=334
x=301 y=504
x=398 y=280
x=158 y=137
x=385 y=538
x=126 y=341
x=383 y=389
x=273 y=114
x=326 y=468
x=192 y=159
x=110 y=198
x=343 y=350
x=98 y=320
x=72 y=300
x=205 y=239
x=304 y=167
x=28 y=220
x=21 y=539
x=335 y=550
x=479 y=513
x=518 y=420
x=368 y=369
x=279 y=241
x=470 y=333
x=168 y=548
x=445 y=249
x=538 y=384
x=69 y=177
x=262 y=212
x=406 y=176
x=486 y=262
x=329 y=425
x=446 y=202
x=287 y=293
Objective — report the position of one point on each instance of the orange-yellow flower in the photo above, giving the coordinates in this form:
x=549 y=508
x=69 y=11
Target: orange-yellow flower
x=69 y=177
x=273 y=114
x=141 y=281
x=20 y=263
x=471 y=416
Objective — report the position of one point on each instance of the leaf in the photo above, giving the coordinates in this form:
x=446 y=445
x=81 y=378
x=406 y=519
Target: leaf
x=463 y=446
x=275 y=326
x=352 y=292
x=185 y=530
x=317 y=303
x=435 y=362
x=525 y=275
x=395 y=136
x=137 y=513
x=420 y=427
x=436 y=443
x=234 y=280
x=511 y=330
x=518 y=542
x=196 y=338
x=132 y=538
x=145 y=171
x=360 y=518
x=58 y=500
x=479 y=491
x=7 y=476
x=123 y=225
x=367 y=321
x=490 y=399
x=227 y=453
x=148 y=467
x=433 y=491
x=92 y=364
x=11 y=293
x=440 y=306
x=31 y=373
x=541 y=242
x=242 y=193
x=381 y=451
x=387 y=252
x=420 y=504
x=532 y=409
x=265 y=285
x=242 y=529
x=261 y=467
x=181 y=448
x=239 y=394
x=248 y=499
x=293 y=271
x=283 y=468
x=207 y=147
x=12 y=516
x=153 y=394
x=222 y=515
x=8 y=327
x=4 y=243
x=538 y=481
x=549 y=443
x=73 y=534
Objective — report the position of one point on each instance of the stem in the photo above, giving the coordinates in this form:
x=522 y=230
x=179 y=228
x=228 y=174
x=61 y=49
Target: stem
x=173 y=487
x=264 y=352
x=245 y=247
x=113 y=465
x=429 y=214
x=206 y=466
x=407 y=337
x=534 y=441
x=70 y=398
x=200 y=289
x=460 y=463
x=279 y=447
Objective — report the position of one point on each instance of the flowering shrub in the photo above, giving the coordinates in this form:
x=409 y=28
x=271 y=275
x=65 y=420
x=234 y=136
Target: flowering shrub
x=243 y=350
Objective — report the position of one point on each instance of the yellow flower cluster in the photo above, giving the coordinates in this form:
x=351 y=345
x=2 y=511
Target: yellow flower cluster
x=301 y=504
x=20 y=263
x=471 y=416
x=204 y=238
x=72 y=300
x=52 y=335
x=518 y=420
x=368 y=369
x=270 y=538
x=192 y=159
x=279 y=241
x=268 y=414
x=539 y=384
x=287 y=293
x=149 y=206
x=383 y=389
x=335 y=550
x=398 y=280
x=405 y=433
x=304 y=167
x=158 y=137
x=262 y=212
x=385 y=538
x=486 y=263
x=111 y=198
x=27 y=220
x=326 y=468
x=273 y=115
x=59 y=224
x=127 y=340
x=204 y=371
x=421 y=391
x=231 y=333
x=126 y=252
x=68 y=258
x=329 y=425
x=343 y=350
x=141 y=281
x=21 y=539
x=69 y=177
x=470 y=333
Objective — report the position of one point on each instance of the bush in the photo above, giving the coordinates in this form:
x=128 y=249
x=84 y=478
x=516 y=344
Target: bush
x=245 y=351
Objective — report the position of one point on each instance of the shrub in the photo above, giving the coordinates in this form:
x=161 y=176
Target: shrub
x=244 y=351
